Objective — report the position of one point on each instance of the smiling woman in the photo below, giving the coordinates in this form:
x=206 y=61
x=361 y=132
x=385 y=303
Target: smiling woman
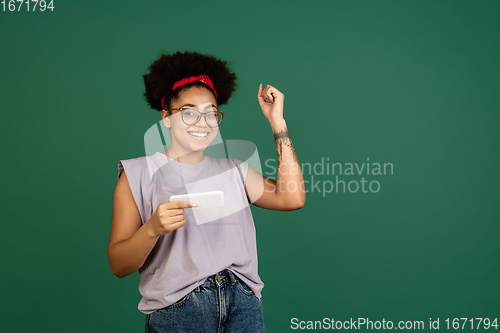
x=191 y=129
x=198 y=268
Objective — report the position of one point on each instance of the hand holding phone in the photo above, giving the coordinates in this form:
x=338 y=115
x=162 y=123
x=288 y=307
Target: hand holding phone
x=168 y=217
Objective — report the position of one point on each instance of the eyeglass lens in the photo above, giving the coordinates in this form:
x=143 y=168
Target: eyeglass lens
x=190 y=117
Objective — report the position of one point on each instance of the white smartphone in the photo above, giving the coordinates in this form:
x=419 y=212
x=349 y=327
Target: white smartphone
x=202 y=199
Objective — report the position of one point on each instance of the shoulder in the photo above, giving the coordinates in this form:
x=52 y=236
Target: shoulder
x=133 y=165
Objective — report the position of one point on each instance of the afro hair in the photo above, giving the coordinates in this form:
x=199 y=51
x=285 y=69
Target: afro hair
x=170 y=68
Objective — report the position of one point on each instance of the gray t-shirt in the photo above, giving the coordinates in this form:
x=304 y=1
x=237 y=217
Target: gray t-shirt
x=212 y=238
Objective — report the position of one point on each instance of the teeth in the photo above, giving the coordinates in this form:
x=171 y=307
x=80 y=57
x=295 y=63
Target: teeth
x=202 y=135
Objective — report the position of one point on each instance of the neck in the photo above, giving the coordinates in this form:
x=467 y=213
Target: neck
x=192 y=158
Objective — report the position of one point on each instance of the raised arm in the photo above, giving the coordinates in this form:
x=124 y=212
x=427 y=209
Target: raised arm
x=287 y=192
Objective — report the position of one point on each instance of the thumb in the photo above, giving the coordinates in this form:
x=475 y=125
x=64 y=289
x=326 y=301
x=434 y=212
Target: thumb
x=259 y=95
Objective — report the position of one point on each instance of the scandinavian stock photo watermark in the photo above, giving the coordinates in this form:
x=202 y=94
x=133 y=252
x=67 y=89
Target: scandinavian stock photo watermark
x=320 y=176
x=330 y=177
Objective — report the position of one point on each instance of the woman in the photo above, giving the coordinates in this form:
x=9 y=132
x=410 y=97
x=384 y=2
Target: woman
x=198 y=267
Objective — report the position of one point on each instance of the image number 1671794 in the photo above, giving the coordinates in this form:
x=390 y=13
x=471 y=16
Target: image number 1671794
x=27 y=5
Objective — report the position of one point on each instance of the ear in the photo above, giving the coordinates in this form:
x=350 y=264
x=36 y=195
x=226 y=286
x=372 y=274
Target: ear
x=166 y=118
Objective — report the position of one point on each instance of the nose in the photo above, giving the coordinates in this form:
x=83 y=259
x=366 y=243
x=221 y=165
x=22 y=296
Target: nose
x=203 y=118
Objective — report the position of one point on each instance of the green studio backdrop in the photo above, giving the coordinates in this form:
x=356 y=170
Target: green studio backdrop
x=410 y=85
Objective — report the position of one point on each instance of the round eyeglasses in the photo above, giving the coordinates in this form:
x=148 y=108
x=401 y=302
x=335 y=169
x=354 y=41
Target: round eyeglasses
x=191 y=116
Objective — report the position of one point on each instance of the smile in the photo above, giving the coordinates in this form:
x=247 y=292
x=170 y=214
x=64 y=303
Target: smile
x=199 y=134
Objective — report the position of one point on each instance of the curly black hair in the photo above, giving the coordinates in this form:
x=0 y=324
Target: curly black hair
x=170 y=68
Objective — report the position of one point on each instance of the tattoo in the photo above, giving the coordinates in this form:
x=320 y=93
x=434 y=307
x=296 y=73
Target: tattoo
x=282 y=139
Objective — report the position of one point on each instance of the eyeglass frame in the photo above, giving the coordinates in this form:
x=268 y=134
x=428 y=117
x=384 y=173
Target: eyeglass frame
x=199 y=116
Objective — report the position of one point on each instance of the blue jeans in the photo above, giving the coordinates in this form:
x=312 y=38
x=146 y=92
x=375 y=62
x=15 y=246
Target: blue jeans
x=223 y=303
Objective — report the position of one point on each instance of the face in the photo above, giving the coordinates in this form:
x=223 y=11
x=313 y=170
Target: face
x=195 y=137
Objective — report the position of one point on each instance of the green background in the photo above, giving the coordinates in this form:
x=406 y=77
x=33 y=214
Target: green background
x=412 y=83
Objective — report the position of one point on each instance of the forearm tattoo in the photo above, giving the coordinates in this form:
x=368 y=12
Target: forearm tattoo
x=282 y=140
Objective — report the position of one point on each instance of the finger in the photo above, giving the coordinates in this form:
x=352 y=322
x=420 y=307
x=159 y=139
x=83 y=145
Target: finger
x=181 y=204
x=176 y=211
x=259 y=94
x=275 y=94
x=178 y=224
x=177 y=219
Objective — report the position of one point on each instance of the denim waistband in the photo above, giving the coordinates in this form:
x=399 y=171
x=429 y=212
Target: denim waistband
x=222 y=277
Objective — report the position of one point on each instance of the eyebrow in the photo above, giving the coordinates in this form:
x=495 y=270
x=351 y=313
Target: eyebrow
x=195 y=105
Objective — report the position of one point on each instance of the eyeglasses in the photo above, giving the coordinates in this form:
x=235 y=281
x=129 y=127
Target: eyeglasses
x=190 y=116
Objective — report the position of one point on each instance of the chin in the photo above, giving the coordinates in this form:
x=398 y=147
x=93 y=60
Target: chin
x=201 y=147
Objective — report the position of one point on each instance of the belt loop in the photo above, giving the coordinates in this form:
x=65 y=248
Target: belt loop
x=231 y=276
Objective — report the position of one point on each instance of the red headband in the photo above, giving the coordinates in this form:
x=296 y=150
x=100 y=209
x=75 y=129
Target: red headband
x=202 y=78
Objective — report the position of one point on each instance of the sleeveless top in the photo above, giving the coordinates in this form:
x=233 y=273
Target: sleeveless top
x=212 y=238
